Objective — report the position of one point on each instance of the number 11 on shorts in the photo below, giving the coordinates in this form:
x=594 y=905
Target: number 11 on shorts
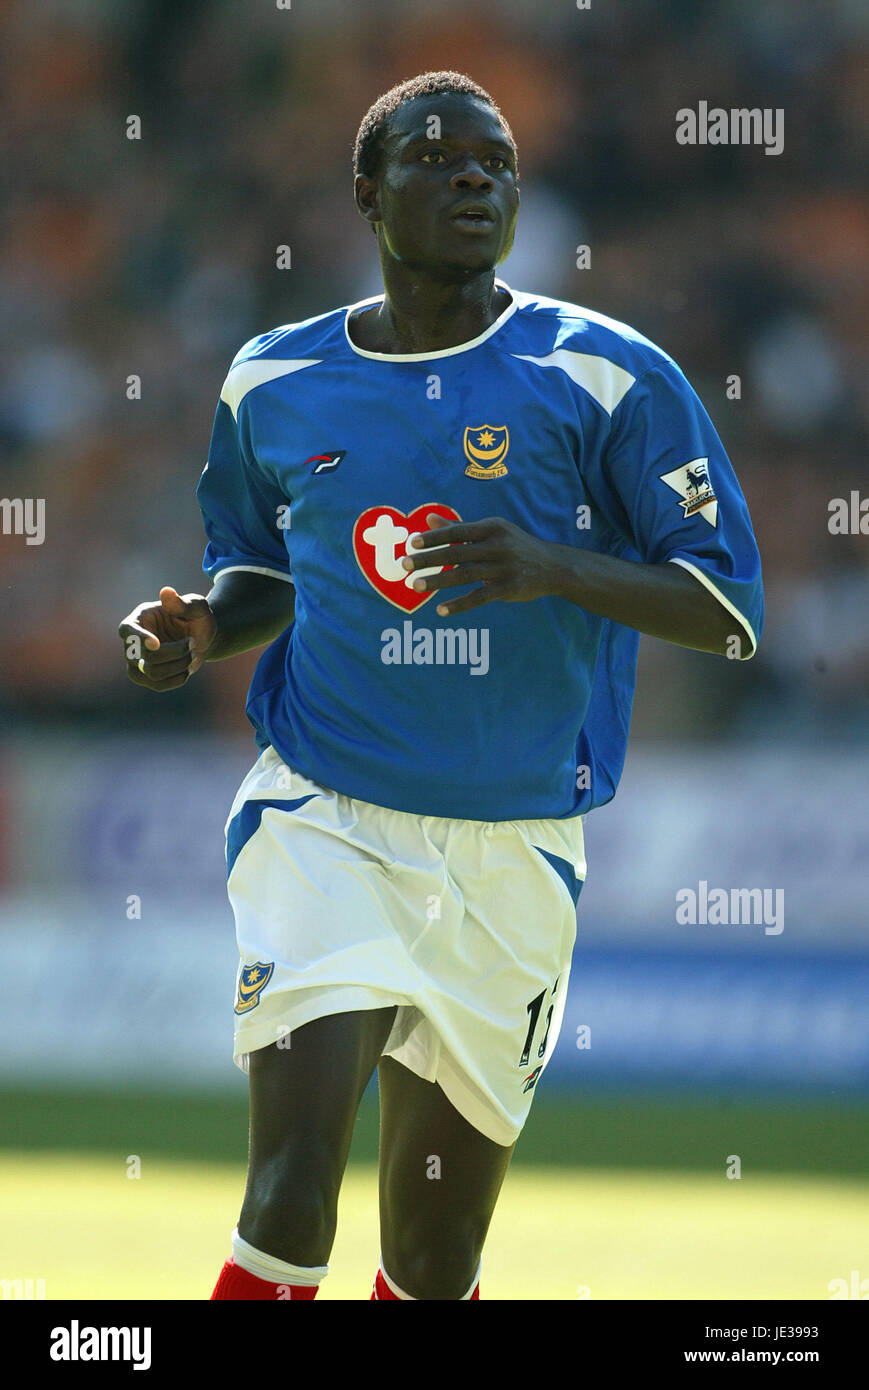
x=533 y=1010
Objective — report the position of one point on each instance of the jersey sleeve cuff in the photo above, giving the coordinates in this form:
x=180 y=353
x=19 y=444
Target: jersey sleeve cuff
x=725 y=602
x=251 y=569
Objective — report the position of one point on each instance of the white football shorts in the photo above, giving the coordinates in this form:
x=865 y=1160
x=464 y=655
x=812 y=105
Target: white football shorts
x=468 y=926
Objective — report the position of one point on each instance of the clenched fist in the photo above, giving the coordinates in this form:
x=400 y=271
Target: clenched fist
x=167 y=641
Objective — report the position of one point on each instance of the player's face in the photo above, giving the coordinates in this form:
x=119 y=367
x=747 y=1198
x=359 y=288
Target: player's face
x=446 y=197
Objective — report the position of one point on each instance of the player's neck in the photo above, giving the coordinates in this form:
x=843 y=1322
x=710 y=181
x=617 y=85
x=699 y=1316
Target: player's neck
x=429 y=316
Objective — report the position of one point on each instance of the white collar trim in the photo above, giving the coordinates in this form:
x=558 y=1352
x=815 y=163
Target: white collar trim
x=443 y=352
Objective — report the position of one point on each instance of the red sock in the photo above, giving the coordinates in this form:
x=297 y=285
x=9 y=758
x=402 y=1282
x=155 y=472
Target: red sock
x=382 y=1292
x=237 y=1283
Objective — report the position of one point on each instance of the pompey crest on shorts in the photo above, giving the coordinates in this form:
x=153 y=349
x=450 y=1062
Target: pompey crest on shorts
x=251 y=981
x=485 y=449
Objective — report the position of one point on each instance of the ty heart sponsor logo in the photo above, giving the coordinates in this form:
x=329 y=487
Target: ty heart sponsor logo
x=381 y=536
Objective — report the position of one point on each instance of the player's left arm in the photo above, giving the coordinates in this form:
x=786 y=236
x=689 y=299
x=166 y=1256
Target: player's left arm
x=659 y=600
x=663 y=482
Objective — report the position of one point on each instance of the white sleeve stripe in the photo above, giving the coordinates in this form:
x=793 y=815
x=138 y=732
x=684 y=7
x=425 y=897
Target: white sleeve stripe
x=253 y=569
x=601 y=378
x=725 y=602
x=247 y=375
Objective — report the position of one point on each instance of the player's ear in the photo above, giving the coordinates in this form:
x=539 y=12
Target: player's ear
x=367 y=199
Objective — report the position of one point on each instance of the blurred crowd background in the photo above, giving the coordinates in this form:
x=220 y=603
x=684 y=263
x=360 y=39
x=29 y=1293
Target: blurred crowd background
x=157 y=257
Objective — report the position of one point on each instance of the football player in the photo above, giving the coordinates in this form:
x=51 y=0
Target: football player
x=451 y=510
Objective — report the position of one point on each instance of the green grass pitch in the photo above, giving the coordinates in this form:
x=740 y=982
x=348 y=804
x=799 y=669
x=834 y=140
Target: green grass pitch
x=78 y=1222
x=615 y=1198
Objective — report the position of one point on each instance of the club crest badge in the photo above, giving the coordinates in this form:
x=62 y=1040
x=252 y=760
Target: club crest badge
x=485 y=449
x=251 y=981
x=691 y=481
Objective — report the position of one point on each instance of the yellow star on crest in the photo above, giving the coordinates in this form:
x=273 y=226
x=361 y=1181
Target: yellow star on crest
x=486 y=439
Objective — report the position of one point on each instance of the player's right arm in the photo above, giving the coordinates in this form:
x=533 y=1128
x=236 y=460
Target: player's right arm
x=245 y=513
x=166 y=641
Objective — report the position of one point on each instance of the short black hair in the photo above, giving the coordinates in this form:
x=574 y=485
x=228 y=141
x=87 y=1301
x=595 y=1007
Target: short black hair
x=368 y=149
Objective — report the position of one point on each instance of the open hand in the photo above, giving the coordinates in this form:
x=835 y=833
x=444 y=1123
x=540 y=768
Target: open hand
x=504 y=560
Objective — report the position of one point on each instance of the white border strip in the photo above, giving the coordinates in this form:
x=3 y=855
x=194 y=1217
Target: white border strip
x=725 y=602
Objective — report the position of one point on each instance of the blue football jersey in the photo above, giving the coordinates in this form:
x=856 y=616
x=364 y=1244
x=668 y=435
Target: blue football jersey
x=324 y=461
